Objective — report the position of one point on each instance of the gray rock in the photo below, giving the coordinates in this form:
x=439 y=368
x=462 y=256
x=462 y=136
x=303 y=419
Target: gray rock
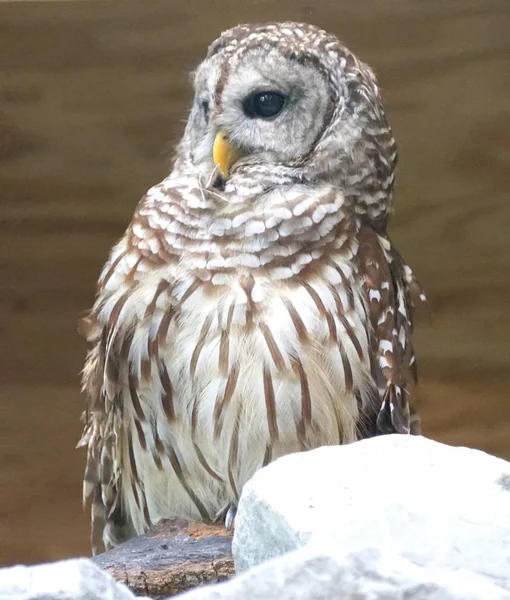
x=77 y=579
x=433 y=504
x=314 y=573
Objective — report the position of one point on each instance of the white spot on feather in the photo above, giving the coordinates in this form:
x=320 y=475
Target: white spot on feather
x=254 y=227
x=385 y=346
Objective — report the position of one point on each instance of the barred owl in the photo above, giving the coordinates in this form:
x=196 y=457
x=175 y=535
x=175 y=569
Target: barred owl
x=255 y=305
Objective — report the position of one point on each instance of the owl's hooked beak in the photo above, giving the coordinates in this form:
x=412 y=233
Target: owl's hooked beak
x=224 y=154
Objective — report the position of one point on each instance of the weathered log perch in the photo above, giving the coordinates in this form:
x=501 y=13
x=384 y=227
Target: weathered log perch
x=174 y=556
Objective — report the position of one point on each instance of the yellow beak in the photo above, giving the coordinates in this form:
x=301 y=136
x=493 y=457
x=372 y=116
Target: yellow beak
x=224 y=154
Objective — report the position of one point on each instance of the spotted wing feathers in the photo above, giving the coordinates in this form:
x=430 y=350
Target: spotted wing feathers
x=391 y=290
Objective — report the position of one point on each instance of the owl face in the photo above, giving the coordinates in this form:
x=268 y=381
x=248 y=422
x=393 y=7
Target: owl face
x=288 y=103
x=271 y=108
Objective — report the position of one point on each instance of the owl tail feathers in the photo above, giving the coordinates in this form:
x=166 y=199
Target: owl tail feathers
x=98 y=521
x=396 y=415
x=103 y=526
x=92 y=493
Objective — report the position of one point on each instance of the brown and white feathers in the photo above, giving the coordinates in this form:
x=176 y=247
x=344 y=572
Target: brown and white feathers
x=255 y=305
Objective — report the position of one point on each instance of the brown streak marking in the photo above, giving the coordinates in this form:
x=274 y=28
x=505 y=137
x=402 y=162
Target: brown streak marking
x=160 y=447
x=316 y=298
x=306 y=404
x=203 y=461
x=232 y=456
x=174 y=461
x=167 y=397
x=119 y=305
x=133 y=384
x=224 y=353
x=191 y=290
x=98 y=520
x=134 y=269
x=200 y=344
x=132 y=461
x=112 y=370
x=345 y=282
x=146 y=368
x=333 y=334
x=162 y=286
x=247 y=284
x=200 y=455
x=339 y=427
x=347 y=369
x=152 y=345
x=125 y=348
x=272 y=346
x=230 y=316
x=322 y=310
x=218 y=91
x=194 y=417
x=221 y=403
x=152 y=348
x=163 y=327
x=146 y=514
x=296 y=319
x=347 y=326
x=141 y=435
x=157 y=461
x=135 y=494
x=272 y=422
x=301 y=434
x=352 y=336
x=112 y=268
x=267 y=455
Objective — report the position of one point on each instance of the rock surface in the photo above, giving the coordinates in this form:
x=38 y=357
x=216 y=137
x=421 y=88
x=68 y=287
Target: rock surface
x=432 y=504
x=174 y=556
x=314 y=573
x=390 y=518
x=311 y=573
x=77 y=579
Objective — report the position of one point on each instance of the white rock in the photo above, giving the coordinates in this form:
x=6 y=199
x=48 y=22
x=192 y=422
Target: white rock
x=433 y=504
x=314 y=573
x=77 y=579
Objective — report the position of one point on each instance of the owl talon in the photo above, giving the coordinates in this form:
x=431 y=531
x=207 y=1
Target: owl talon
x=230 y=517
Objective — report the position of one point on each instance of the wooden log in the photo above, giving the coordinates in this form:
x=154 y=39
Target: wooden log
x=174 y=556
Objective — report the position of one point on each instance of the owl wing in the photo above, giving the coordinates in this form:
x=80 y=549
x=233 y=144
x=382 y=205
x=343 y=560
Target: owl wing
x=115 y=366
x=101 y=482
x=391 y=290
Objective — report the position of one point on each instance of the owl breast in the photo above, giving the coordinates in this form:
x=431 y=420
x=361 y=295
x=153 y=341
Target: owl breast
x=243 y=373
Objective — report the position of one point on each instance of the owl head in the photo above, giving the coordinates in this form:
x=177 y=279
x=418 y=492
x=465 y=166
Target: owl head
x=288 y=103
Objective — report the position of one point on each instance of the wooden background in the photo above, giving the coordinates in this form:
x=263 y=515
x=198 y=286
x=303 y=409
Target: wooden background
x=92 y=96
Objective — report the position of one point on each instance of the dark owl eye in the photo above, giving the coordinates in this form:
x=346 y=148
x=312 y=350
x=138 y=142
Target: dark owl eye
x=263 y=104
